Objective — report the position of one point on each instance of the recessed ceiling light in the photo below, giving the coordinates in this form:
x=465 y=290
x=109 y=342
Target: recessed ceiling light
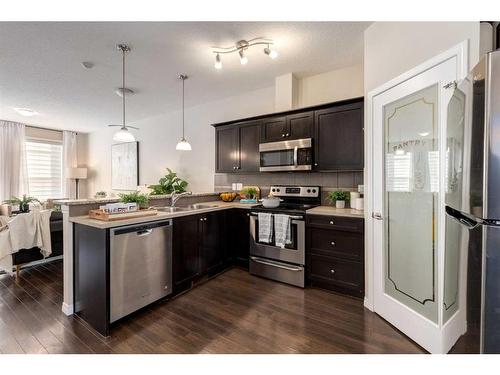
x=87 y=64
x=128 y=92
x=25 y=112
x=424 y=134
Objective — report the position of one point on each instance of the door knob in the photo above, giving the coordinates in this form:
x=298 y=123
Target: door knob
x=377 y=216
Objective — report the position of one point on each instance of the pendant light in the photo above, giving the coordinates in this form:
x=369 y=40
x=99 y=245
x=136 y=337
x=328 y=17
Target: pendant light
x=183 y=145
x=123 y=135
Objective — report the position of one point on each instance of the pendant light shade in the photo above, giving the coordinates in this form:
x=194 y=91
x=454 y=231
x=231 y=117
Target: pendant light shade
x=183 y=144
x=123 y=135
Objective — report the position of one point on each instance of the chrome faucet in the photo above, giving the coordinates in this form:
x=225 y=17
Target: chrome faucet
x=174 y=197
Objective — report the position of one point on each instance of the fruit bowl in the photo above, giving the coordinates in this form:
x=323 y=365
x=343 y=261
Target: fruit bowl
x=228 y=197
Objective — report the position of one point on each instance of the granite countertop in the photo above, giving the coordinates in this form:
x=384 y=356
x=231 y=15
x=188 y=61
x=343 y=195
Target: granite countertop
x=77 y=202
x=333 y=211
x=219 y=205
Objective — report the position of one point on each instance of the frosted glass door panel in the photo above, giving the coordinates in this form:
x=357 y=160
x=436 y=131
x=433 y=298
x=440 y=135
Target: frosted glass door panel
x=454 y=197
x=411 y=199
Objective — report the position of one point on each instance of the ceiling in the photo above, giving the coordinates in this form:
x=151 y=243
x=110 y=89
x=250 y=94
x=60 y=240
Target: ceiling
x=40 y=65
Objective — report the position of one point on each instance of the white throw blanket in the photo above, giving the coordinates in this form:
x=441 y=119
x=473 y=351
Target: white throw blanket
x=25 y=231
x=282 y=230
x=265 y=227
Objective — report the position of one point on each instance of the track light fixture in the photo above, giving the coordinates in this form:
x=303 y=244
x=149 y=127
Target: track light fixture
x=240 y=47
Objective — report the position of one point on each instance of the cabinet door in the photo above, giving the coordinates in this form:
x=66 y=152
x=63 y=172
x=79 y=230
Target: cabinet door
x=300 y=125
x=227 y=155
x=249 y=139
x=185 y=255
x=274 y=129
x=239 y=236
x=211 y=247
x=339 y=139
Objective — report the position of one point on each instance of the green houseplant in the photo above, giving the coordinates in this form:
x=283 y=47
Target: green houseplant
x=24 y=202
x=250 y=193
x=339 y=197
x=168 y=184
x=142 y=200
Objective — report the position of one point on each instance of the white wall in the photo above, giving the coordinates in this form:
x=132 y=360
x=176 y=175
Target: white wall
x=158 y=136
x=392 y=48
x=332 y=86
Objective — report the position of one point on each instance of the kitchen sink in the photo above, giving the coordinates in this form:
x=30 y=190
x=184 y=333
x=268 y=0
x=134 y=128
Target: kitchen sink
x=172 y=209
x=198 y=206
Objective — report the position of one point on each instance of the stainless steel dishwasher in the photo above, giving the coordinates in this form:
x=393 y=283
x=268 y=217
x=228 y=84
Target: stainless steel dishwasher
x=140 y=266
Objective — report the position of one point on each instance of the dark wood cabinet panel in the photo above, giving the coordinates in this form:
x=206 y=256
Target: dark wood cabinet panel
x=248 y=141
x=341 y=223
x=185 y=249
x=339 y=138
x=300 y=125
x=349 y=245
x=226 y=149
x=238 y=231
x=336 y=274
x=274 y=129
x=212 y=251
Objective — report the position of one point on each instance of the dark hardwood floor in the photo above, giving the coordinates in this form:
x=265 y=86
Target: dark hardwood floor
x=232 y=313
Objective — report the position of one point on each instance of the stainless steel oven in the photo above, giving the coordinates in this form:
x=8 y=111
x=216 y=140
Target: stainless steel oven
x=294 y=155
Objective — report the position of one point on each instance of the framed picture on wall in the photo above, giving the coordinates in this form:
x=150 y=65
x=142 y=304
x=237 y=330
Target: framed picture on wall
x=125 y=166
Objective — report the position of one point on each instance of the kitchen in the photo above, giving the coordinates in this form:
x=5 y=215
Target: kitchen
x=223 y=188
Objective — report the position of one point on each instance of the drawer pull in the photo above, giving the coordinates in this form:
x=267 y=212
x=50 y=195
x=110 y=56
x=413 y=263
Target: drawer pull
x=331 y=222
x=332 y=271
x=332 y=243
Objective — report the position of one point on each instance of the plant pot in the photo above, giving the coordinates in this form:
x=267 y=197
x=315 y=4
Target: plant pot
x=340 y=204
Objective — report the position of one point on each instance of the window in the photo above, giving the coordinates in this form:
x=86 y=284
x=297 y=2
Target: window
x=44 y=160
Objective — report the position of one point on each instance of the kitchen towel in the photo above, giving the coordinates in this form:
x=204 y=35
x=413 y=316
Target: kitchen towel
x=283 y=230
x=265 y=227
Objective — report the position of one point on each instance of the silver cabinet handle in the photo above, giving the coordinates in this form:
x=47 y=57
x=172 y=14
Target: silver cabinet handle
x=205 y=219
x=145 y=232
x=287 y=134
x=332 y=243
x=331 y=222
x=332 y=271
x=315 y=164
x=201 y=219
x=377 y=216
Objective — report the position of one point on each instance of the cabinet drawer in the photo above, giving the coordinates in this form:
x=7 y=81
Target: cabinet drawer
x=333 y=273
x=337 y=243
x=336 y=222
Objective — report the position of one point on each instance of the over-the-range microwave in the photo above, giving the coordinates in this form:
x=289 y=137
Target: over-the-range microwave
x=293 y=155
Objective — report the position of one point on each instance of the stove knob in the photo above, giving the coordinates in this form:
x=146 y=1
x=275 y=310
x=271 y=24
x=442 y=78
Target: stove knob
x=308 y=190
x=273 y=190
x=278 y=190
x=314 y=190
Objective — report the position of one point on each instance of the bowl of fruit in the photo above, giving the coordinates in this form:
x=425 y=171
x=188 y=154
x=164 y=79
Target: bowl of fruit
x=228 y=197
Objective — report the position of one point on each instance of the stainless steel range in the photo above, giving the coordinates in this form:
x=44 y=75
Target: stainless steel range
x=283 y=263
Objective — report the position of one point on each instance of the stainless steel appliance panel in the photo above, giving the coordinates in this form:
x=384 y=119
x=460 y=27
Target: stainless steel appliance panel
x=271 y=269
x=294 y=155
x=140 y=266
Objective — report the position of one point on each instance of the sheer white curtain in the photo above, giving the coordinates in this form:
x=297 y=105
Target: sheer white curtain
x=69 y=161
x=13 y=170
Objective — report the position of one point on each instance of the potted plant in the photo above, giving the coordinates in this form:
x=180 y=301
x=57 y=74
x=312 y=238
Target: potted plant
x=339 y=197
x=142 y=200
x=168 y=184
x=24 y=202
x=100 y=194
x=250 y=193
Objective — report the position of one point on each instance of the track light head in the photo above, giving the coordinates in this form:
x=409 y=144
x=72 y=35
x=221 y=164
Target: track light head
x=243 y=58
x=270 y=52
x=218 y=62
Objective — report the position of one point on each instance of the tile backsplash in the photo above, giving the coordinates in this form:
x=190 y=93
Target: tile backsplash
x=327 y=180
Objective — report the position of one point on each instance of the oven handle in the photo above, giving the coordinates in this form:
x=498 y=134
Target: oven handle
x=291 y=217
x=278 y=265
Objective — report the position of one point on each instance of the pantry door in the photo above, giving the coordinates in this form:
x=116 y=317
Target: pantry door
x=409 y=121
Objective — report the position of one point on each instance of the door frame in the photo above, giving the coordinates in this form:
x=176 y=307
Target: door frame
x=460 y=52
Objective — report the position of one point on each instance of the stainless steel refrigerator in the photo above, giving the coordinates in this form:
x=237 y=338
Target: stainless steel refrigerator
x=472 y=200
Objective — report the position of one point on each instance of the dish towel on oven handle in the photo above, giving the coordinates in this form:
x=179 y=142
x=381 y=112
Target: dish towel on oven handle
x=282 y=230
x=265 y=227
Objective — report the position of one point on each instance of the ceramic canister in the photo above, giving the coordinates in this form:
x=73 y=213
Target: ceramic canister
x=353 y=196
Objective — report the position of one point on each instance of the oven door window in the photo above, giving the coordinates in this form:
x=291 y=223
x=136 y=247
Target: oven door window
x=292 y=246
x=276 y=158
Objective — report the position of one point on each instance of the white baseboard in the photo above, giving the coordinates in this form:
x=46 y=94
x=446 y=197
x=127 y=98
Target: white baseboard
x=368 y=304
x=67 y=309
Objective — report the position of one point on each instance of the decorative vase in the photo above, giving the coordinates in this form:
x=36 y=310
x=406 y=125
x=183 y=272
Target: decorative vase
x=340 y=204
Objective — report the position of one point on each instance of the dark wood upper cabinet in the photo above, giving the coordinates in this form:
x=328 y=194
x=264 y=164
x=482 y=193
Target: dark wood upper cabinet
x=336 y=130
x=274 y=129
x=237 y=147
x=300 y=125
x=339 y=138
x=248 y=140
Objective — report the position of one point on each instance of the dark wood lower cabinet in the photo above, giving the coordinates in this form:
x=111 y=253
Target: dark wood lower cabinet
x=238 y=234
x=335 y=253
